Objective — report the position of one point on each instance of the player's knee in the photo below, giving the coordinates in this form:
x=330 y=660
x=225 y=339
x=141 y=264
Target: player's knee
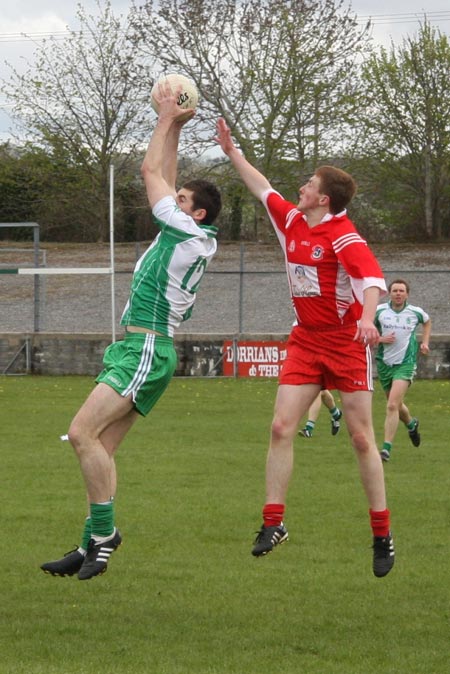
x=392 y=407
x=281 y=429
x=76 y=435
x=360 y=442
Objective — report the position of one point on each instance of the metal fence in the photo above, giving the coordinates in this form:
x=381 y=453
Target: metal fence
x=229 y=302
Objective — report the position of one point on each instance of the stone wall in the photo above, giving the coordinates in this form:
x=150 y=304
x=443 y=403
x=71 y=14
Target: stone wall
x=198 y=355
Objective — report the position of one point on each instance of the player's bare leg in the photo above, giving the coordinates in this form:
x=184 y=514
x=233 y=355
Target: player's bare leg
x=291 y=404
x=110 y=440
x=104 y=418
x=395 y=410
x=357 y=408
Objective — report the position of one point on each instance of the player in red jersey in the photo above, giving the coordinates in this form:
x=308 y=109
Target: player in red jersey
x=335 y=283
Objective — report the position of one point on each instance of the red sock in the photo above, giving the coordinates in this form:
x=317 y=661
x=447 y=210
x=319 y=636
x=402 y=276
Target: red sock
x=273 y=514
x=380 y=522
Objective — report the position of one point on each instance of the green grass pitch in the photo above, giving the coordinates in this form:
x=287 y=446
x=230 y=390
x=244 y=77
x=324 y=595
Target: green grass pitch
x=183 y=595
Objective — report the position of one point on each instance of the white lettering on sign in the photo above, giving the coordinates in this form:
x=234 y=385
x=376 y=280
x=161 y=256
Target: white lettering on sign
x=255 y=354
x=268 y=370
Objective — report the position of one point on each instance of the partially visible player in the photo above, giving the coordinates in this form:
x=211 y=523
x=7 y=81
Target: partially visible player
x=335 y=283
x=326 y=398
x=396 y=358
x=138 y=369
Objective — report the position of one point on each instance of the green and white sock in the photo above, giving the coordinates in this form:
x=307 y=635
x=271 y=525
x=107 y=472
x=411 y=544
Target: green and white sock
x=102 y=520
x=86 y=536
x=309 y=426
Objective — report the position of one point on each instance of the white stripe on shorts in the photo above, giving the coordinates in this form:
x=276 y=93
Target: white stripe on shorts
x=144 y=367
x=369 y=369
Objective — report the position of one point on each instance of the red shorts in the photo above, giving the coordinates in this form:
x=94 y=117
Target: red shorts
x=329 y=358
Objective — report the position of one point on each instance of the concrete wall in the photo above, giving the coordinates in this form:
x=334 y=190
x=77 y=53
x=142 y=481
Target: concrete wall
x=198 y=355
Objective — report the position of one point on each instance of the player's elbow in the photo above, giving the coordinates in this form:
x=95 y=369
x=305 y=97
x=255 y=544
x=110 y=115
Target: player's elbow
x=152 y=179
x=148 y=170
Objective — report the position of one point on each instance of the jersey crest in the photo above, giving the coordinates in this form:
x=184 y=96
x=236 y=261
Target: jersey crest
x=317 y=253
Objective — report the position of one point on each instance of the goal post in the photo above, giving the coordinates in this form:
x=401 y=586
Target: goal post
x=36 y=271
x=51 y=271
x=37 y=290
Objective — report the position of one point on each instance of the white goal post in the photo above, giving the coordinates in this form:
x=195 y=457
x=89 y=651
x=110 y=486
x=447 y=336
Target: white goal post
x=52 y=271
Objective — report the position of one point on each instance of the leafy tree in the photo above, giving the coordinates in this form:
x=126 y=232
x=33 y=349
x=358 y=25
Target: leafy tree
x=45 y=186
x=86 y=96
x=17 y=198
x=282 y=74
x=407 y=124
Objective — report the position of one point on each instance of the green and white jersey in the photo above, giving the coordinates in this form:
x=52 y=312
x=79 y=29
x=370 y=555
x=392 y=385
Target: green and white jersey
x=403 y=323
x=167 y=276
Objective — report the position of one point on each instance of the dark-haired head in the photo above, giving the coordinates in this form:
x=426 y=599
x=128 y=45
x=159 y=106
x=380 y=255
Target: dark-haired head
x=400 y=281
x=205 y=195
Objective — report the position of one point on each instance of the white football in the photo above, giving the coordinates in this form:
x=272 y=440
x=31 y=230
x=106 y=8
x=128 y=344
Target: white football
x=188 y=96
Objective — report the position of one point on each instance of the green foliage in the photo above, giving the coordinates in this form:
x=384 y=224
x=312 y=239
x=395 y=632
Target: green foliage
x=297 y=81
x=46 y=185
x=281 y=74
x=42 y=187
x=183 y=594
x=284 y=75
x=407 y=120
x=85 y=98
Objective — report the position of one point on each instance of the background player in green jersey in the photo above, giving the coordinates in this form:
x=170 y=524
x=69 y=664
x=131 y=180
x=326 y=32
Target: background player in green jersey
x=396 y=358
x=138 y=369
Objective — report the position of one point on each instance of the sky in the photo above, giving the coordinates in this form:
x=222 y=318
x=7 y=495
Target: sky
x=392 y=20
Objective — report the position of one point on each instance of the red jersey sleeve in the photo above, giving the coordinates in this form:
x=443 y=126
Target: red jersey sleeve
x=356 y=258
x=280 y=212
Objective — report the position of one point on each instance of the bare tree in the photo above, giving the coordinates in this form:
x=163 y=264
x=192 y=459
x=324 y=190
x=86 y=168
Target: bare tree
x=282 y=74
x=87 y=94
x=407 y=120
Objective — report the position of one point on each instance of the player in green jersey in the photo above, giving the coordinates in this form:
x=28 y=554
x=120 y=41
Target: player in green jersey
x=138 y=369
x=396 y=359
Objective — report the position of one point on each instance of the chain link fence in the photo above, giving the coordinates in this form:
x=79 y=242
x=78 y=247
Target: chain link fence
x=244 y=291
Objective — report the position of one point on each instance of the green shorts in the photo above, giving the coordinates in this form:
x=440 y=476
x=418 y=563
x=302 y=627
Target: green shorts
x=142 y=366
x=388 y=373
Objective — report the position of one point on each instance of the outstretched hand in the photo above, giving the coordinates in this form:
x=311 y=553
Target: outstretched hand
x=223 y=137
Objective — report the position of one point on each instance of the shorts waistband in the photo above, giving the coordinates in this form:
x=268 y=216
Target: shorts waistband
x=141 y=337
x=325 y=328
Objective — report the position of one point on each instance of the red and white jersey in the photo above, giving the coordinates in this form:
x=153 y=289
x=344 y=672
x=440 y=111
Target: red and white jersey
x=328 y=266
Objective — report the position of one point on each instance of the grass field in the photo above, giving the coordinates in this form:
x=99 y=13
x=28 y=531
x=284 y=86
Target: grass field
x=183 y=595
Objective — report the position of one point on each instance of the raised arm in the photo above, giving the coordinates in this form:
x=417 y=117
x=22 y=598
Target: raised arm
x=170 y=158
x=253 y=179
x=159 y=167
